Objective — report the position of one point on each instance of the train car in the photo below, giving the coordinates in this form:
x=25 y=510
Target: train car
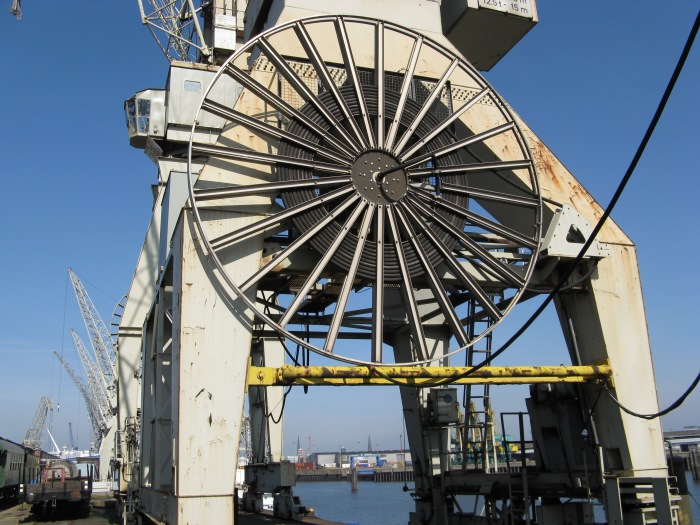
x=18 y=465
x=60 y=484
x=11 y=469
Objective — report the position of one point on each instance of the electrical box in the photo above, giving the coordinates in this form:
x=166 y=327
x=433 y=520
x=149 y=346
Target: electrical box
x=225 y=32
x=566 y=514
x=187 y=84
x=485 y=30
x=270 y=478
x=444 y=405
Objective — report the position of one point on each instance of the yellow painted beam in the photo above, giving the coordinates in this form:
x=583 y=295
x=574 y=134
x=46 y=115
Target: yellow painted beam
x=425 y=376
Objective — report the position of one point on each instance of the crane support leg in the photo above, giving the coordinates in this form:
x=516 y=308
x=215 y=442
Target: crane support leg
x=608 y=322
x=265 y=405
x=429 y=442
x=211 y=340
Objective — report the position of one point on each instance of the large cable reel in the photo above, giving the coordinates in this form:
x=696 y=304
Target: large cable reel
x=386 y=184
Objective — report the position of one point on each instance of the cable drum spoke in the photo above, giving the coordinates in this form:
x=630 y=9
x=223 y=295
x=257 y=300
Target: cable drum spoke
x=443 y=301
x=455 y=266
x=349 y=281
x=351 y=70
x=486 y=257
x=405 y=87
x=410 y=303
x=478 y=220
x=230 y=238
x=457 y=145
x=391 y=202
x=253 y=124
x=475 y=193
x=325 y=78
x=227 y=192
x=316 y=273
x=303 y=90
x=426 y=107
x=445 y=123
x=266 y=158
x=423 y=173
x=252 y=85
x=296 y=244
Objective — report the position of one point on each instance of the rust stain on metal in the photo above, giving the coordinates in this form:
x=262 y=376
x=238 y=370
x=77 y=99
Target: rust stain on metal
x=559 y=185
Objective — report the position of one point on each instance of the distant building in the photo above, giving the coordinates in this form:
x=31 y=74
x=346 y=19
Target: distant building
x=683 y=440
x=345 y=459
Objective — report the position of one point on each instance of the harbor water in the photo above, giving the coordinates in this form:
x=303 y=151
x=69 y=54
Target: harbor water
x=388 y=504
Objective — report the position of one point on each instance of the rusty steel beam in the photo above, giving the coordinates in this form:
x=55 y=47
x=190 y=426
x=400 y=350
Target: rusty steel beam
x=425 y=376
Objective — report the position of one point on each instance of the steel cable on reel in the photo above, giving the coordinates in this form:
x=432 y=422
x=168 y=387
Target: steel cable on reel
x=439 y=179
x=344 y=253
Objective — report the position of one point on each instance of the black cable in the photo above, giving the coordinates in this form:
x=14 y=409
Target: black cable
x=284 y=401
x=266 y=311
x=678 y=402
x=693 y=498
x=611 y=205
x=590 y=412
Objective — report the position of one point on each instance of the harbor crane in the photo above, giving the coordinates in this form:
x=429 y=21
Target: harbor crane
x=70 y=436
x=100 y=338
x=100 y=393
x=97 y=421
x=16 y=9
x=35 y=434
x=348 y=182
x=100 y=388
x=184 y=32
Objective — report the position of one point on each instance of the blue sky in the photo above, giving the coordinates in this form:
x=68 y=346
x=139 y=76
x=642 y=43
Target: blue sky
x=587 y=79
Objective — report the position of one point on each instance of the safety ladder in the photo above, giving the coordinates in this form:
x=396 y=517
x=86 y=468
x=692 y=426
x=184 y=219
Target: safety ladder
x=479 y=442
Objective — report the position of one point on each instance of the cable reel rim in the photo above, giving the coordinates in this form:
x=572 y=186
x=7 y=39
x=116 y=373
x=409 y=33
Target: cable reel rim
x=224 y=278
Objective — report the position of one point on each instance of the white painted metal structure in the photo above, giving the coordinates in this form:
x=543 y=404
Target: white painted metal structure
x=100 y=339
x=101 y=373
x=316 y=142
x=96 y=419
x=99 y=394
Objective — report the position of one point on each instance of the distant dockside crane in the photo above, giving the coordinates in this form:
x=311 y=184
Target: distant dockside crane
x=35 y=433
x=100 y=339
x=97 y=420
x=98 y=388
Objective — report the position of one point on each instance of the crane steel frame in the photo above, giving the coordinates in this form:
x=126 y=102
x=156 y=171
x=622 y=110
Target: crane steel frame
x=35 y=433
x=96 y=421
x=187 y=353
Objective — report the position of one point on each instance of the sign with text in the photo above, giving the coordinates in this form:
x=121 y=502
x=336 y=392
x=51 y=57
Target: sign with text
x=514 y=7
